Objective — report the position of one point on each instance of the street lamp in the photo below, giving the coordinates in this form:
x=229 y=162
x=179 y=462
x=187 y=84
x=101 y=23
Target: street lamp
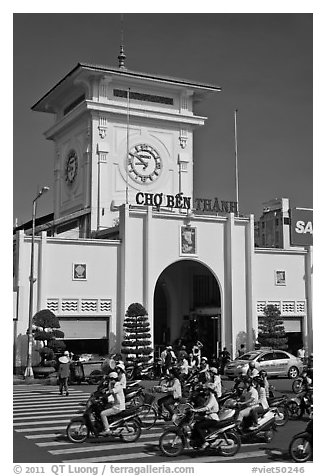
x=29 y=370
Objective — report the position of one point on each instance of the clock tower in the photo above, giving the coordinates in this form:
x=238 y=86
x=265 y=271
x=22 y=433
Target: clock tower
x=118 y=132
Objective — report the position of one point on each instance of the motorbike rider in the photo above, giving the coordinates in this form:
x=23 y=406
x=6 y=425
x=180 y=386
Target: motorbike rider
x=252 y=371
x=208 y=423
x=262 y=405
x=306 y=381
x=248 y=399
x=168 y=359
x=120 y=368
x=263 y=375
x=183 y=367
x=203 y=374
x=114 y=392
x=216 y=381
x=174 y=393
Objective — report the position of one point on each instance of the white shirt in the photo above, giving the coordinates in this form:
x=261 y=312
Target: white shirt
x=184 y=368
x=212 y=408
x=175 y=388
x=250 y=397
x=218 y=385
x=119 y=397
x=123 y=379
x=262 y=399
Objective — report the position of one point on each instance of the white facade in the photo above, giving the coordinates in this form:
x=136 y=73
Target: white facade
x=182 y=266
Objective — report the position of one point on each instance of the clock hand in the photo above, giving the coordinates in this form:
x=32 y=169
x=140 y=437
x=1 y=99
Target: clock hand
x=145 y=164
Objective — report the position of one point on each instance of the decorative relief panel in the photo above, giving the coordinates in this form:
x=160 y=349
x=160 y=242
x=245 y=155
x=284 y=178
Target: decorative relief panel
x=287 y=308
x=76 y=306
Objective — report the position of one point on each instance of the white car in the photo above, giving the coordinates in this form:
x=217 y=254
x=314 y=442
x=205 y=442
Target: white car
x=277 y=363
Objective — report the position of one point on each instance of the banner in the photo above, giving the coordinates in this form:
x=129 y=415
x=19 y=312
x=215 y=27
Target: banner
x=301 y=227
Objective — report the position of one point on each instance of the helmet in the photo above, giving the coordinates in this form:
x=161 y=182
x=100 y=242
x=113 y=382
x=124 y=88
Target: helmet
x=113 y=375
x=204 y=359
x=214 y=370
x=247 y=379
x=252 y=364
x=66 y=353
x=121 y=366
x=259 y=381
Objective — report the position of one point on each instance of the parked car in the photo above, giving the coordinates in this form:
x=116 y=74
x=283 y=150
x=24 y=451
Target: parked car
x=275 y=362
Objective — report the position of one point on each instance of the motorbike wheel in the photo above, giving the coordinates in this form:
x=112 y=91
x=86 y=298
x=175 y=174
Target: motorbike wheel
x=297 y=385
x=147 y=416
x=268 y=436
x=77 y=431
x=294 y=410
x=231 y=444
x=131 y=431
x=171 y=443
x=300 y=449
x=282 y=415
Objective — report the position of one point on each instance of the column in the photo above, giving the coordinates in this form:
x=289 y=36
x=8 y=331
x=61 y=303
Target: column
x=227 y=324
x=250 y=305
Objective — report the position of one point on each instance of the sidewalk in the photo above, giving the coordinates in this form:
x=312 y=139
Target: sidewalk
x=20 y=380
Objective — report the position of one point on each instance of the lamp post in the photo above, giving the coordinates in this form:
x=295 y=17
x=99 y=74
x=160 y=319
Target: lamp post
x=29 y=370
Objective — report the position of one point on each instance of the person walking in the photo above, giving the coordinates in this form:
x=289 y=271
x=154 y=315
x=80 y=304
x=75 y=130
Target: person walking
x=64 y=373
x=242 y=350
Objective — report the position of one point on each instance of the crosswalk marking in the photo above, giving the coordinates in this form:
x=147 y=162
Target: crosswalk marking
x=42 y=418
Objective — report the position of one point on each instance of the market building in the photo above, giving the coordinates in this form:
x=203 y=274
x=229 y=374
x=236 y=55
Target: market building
x=127 y=228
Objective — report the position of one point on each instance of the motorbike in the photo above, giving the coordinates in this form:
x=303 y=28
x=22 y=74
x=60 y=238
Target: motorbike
x=141 y=371
x=279 y=403
x=301 y=447
x=125 y=425
x=298 y=384
x=224 y=439
x=301 y=404
x=266 y=424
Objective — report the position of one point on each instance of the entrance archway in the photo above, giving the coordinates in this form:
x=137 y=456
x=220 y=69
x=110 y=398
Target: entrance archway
x=187 y=306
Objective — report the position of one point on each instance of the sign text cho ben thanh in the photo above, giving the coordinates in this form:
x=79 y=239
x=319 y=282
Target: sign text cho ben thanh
x=180 y=201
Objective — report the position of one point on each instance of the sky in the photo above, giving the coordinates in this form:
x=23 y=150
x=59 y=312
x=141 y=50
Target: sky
x=262 y=62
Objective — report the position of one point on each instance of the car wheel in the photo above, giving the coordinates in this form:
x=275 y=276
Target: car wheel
x=293 y=372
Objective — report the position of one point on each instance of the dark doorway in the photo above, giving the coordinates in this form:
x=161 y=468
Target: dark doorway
x=187 y=303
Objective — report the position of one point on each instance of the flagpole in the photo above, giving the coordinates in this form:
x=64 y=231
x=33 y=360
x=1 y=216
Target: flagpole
x=127 y=155
x=236 y=158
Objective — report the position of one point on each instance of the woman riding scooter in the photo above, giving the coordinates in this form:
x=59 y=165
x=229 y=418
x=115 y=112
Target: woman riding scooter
x=207 y=424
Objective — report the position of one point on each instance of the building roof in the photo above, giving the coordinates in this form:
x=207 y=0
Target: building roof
x=43 y=104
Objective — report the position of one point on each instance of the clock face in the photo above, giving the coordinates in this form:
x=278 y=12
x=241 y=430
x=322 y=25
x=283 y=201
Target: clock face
x=71 y=167
x=144 y=163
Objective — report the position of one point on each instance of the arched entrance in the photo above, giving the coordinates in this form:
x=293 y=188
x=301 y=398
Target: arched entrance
x=187 y=306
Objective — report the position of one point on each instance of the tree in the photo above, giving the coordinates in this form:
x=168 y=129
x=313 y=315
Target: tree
x=271 y=330
x=137 y=340
x=46 y=330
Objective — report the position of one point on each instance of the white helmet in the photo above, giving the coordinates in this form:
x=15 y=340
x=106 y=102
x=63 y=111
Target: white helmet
x=113 y=375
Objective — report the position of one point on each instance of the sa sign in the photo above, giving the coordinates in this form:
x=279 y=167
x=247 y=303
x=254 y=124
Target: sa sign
x=301 y=227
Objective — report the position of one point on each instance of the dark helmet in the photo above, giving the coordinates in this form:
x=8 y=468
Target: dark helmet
x=174 y=373
x=252 y=364
x=259 y=381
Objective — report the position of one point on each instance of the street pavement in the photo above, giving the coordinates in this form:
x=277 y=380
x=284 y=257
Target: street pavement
x=41 y=416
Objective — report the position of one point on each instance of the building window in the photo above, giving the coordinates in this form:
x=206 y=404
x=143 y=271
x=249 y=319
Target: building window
x=143 y=97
